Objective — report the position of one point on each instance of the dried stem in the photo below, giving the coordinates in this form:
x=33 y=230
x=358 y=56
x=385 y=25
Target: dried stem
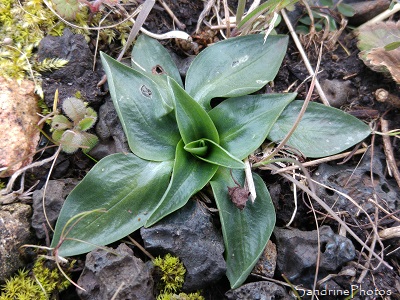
x=320 y=161
x=172 y=15
x=304 y=56
x=387 y=145
x=141 y=18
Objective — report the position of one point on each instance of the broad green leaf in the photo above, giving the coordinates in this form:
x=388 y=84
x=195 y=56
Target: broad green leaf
x=189 y=176
x=328 y=3
x=213 y=153
x=199 y=147
x=235 y=67
x=346 y=9
x=243 y=123
x=151 y=131
x=301 y=29
x=323 y=130
x=246 y=232
x=148 y=54
x=193 y=121
x=126 y=186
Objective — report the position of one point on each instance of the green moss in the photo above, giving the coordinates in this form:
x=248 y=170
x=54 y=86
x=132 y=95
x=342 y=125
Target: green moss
x=172 y=272
x=21 y=30
x=23 y=24
x=39 y=284
x=180 y=296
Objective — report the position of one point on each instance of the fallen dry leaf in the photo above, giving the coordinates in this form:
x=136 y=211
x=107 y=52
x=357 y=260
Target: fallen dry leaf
x=372 y=41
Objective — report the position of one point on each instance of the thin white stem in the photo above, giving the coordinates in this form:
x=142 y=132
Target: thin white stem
x=250 y=180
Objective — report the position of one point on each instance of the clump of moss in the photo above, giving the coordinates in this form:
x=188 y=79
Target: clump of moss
x=39 y=284
x=172 y=272
x=172 y=278
x=180 y=296
x=22 y=26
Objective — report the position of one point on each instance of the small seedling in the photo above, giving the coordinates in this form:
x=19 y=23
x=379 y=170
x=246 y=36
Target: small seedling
x=70 y=132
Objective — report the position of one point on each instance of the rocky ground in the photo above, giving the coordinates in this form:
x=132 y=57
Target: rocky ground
x=193 y=233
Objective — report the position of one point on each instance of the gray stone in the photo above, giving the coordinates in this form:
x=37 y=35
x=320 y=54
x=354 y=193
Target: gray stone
x=190 y=234
x=298 y=251
x=110 y=132
x=115 y=272
x=56 y=192
x=355 y=182
x=338 y=92
x=76 y=76
x=14 y=232
x=261 y=290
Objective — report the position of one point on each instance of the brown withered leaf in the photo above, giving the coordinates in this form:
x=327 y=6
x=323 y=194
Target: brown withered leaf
x=372 y=40
x=381 y=59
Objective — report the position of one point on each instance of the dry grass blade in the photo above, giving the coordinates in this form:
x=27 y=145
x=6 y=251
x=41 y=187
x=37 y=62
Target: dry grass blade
x=172 y=15
x=321 y=93
x=321 y=160
x=45 y=187
x=384 y=15
x=207 y=8
x=141 y=18
x=318 y=252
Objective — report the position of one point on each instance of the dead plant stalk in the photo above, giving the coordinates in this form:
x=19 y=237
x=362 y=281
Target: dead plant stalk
x=303 y=54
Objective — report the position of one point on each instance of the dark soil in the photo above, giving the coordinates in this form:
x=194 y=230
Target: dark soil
x=339 y=65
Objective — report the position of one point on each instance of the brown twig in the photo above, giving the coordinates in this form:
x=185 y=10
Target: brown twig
x=383 y=95
x=172 y=15
x=134 y=242
x=387 y=146
x=304 y=56
x=226 y=12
